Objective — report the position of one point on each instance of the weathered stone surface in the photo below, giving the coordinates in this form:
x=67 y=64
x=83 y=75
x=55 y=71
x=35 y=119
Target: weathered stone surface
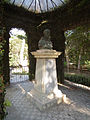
x=44 y=42
x=45 y=92
x=46 y=53
x=43 y=101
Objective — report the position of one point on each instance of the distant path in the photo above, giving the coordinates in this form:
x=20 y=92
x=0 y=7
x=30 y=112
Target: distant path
x=23 y=109
x=18 y=78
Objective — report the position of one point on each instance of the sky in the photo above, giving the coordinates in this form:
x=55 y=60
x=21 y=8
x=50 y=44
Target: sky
x=16 y=31
x=43 y=4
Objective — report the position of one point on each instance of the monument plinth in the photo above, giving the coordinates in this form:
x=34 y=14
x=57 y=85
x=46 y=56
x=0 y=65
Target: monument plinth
x=45 y=92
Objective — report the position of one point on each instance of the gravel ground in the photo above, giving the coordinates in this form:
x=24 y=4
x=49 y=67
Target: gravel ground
x=78 y=107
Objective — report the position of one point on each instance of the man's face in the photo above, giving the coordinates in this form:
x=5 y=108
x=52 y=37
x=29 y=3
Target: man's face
x=47 y=33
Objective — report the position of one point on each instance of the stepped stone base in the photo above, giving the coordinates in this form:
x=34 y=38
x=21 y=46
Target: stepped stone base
x=43 y=101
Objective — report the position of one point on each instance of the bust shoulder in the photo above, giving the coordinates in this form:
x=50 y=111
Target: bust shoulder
x=44 y=42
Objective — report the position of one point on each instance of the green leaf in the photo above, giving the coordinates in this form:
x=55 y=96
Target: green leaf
x=7 y=103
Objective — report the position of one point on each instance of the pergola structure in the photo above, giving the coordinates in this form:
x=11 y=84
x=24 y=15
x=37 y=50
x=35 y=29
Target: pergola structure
x=38 y=6
x=34 y=16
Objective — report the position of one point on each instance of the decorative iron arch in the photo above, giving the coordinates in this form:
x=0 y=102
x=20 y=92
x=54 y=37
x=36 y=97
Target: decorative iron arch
x=38 y=6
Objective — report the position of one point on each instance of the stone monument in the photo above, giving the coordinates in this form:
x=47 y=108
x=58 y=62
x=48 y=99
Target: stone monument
x=45 y=42
x=45 y=92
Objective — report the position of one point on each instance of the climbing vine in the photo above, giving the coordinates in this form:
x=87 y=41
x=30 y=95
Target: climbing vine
x=2 y=87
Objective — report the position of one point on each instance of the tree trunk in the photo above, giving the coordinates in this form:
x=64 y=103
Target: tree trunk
x=21 y=52
x=79 y=60
x=67 y=60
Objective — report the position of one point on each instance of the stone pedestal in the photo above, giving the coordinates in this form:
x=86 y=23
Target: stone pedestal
x=45 y=92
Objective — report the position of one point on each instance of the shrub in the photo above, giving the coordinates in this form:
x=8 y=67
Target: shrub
x=2 y=95
x=2 y=87
x=80 y=79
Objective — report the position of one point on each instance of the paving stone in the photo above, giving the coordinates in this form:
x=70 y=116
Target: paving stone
x=23 y=109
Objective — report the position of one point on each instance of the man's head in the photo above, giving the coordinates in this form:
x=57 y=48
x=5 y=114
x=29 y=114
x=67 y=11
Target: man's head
x=46 y=32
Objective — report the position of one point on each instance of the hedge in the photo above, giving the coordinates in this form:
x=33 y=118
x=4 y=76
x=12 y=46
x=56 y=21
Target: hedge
x=80 y=79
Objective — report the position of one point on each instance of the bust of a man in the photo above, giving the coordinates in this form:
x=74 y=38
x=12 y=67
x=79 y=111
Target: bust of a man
x=44 y=42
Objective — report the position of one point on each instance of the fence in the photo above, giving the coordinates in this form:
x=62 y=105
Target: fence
x=19 y=73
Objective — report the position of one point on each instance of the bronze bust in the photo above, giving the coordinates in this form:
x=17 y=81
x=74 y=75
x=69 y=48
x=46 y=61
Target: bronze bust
x=44 y=42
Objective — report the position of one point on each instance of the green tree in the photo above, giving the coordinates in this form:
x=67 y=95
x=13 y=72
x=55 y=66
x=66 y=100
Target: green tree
x=18 y=49
x=78 y=45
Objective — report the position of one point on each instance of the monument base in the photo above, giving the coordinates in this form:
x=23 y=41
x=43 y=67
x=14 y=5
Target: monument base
x=45 y=92
x=44 y=101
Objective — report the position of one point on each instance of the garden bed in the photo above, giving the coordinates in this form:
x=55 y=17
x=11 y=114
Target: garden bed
x=78 y=78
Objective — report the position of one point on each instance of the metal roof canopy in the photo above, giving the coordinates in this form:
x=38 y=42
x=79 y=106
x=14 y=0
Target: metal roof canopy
x=38 y=6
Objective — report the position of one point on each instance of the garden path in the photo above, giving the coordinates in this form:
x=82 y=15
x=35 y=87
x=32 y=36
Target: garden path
x=78 y=107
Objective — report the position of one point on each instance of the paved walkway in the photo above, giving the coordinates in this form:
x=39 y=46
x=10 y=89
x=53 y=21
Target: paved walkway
x=23 y=109
x=18 y=78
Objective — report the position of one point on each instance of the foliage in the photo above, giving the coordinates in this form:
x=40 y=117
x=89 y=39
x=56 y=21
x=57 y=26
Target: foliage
x=2 y=95
x=15 y=44
x=77 y=45
x=80 y=79
x=2 y=87
x=6 y=1
x=83 y=2
x=2 y=42
x=7 y=103
x=3 y=103
x=66 y=1
x=87 y=65
x=1 y=84
x=19 y=73
x=31 y=76
x=65 y=63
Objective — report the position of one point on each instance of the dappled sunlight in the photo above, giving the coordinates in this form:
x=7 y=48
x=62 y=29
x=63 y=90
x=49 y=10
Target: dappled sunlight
x=51 y=96
x=81 y=109
x=66 y=100
x=74 y=102
x=72 y=73
x=78 y=85
x=23 y=90
x=29 y=94
x=63 y=85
